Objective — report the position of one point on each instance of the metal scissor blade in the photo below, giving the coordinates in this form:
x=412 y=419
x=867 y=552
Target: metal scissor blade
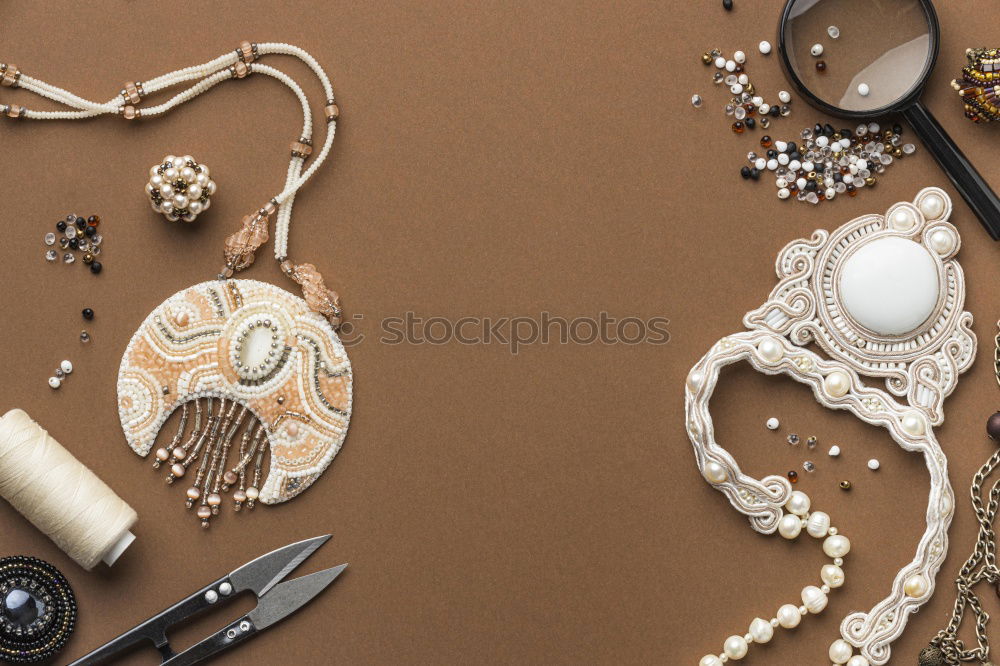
x=263 y=573
x=290 y=596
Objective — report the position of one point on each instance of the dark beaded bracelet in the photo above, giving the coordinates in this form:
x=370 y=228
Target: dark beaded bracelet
x=37 y=610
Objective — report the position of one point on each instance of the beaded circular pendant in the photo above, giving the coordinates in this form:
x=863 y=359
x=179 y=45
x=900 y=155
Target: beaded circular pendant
x=37 y=610
x=249 y=356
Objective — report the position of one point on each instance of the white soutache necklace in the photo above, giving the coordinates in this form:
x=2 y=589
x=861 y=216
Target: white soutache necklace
x=263 y=368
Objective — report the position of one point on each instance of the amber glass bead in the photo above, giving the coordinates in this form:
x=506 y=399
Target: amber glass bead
x=793 y=476
x=738 y=127
x=750 y=108
x=765 y=141
x=852 y=191
x=93 y=220
x=820 y=65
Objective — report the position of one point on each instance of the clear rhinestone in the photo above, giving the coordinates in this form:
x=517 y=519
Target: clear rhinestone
x=68 y=258
x=809 y=466
x=833 y=31
x=50 y=238
x=84 y=336
x=96 y=240
x=793 y=439
x=696 y=101
x=71 y=232
x=51 y=255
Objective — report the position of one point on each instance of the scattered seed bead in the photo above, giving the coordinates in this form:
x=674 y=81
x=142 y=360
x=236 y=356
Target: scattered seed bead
x=81 y=223
x=784 y=96
x=793 y=439
x=745 y=172
x=764 y=47
x=706 y=58
x=93 y=220
x=88 y=314
x=766 y=142
x=834 y=451
x=863 y=89
x=845 y=485
x=873 y=464
x=750 y=123
x=68 y=258
x=811 y=442
x=821 y=65
x=738 y=127
x=696 y=101
x=61 y=225
x=55 y=382
x=740 y=57
x=51 y=255
x=772 y=423
x=727 y=5
x=96 y=267
x=809 y=466
x=816 y=50
x=793 y=476
x=833 y=31
x=84 y=337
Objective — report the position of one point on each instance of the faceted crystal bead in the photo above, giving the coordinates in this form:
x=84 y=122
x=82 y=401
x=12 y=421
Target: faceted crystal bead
x=95 y=250
x=696 y=101
x=96 y=240
x=793 y=439
x=51 y=255
x=50 y=238
x=68 y=258
x=83 y=245
x=809 y=466
x=59 y=373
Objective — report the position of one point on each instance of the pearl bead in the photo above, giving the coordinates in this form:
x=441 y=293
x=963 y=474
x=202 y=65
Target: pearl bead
x=162 y=454
x=204 y=512
x=916 y=586
x=735 y=647
x=942 y=242
x=761 y=630
x=194 y=191
x=798 y=503
x=789 y=616
x=740 y=57
x=837 y=384
x=166 y=191
x=857 y=660
x=252 y=493
x=55 y=382
x=840 y=651
x=837 y=545
x=817 y=524
x=932 y=206
x=864 y=89
x=177 y=470
x=695 y=380
x=785 y=97
x=66 y=367
x=832 y=575
x=211 y=596
x=715 y=473
x=178 y=453
x=873 y=464
x=770 y=350
x=814 y=599
x=764 y=47
x=902 y=219
x=913 y=424
x=193 y=493
x=180 y=201
x=710 y=660
x=170 y=174
x=772 y=423
x=816 y=50
x=225 y=589
x=789 y=526
x=214 y=499
x=188 y=174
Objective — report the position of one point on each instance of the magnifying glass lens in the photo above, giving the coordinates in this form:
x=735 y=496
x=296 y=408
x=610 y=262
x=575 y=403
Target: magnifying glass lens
x=881 y=51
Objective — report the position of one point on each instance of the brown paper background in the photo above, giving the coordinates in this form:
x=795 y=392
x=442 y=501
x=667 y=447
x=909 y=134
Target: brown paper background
x=494 y=159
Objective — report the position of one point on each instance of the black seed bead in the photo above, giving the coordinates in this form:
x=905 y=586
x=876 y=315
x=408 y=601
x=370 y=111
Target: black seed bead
x=817 y=129
x=750 y=122
x=60 y=225
x=88 y=314
x=74 y=243
x=81 y=223
x=846 y=133
x=727 y=5
x=755 y=173
x=897 y=128
x=745 y=172
x=774 y=111
x=90 y=231
x=837 y=178
x=792 y=147
x=96 y=267
x=811 y=185
x=795 y=155
x=828 y=130
x=772 y=153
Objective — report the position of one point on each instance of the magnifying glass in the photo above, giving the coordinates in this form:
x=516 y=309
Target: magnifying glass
x=874 y=58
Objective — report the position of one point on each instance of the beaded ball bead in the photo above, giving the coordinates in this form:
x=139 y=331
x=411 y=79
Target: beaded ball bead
x=180 y=188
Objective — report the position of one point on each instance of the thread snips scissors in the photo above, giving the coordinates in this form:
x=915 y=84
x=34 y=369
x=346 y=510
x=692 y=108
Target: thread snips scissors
x=275 y=601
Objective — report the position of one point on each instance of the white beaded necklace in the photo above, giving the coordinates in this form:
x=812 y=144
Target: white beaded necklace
x=232 y=343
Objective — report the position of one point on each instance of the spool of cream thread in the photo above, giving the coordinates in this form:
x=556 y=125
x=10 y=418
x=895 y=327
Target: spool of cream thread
x=60 y=495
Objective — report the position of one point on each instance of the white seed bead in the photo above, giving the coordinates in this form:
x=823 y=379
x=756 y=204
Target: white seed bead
x=66 y=367
x=863 y=89
x=817 y=524
x=740 y=57
x=837 y=546
x=772 y=423
x=764 y=47
x=211 y=596
x=916 y=586
x=813 y=599
x=832 y=575
x=798 y=503
x=840 y=651
x=735 y=647
x=761 y=630
x=784 y=193
x=873 y=464
x=730 y=66
x=816 y=50
x=837 y=384
x=784 y=96
x=715 y=473
x=225 y=589
x=789 y=526
x=789 y=616
x=834 y=451
x=55 y=382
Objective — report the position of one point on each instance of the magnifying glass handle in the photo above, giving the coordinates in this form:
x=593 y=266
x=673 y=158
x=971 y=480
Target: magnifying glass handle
x=973 y=188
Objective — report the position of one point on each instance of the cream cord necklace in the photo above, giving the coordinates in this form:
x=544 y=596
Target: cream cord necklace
x=238 y=64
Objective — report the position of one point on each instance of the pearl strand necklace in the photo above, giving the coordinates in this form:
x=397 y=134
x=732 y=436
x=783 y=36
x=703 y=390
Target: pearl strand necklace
x=235 y=64
x=814 y=599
